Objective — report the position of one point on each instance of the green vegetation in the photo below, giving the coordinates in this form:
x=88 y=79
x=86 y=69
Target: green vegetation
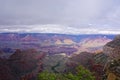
x=81 y=74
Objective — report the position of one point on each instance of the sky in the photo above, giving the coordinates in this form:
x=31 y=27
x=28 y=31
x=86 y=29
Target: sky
x=60 y=16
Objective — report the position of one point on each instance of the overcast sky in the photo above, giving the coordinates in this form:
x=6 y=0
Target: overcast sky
x=60 y=16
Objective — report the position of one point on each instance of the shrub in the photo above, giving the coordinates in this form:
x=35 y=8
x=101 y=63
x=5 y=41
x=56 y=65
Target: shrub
x=81 y=74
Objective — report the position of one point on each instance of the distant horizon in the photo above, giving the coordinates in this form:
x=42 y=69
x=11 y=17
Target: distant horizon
x=54 y=33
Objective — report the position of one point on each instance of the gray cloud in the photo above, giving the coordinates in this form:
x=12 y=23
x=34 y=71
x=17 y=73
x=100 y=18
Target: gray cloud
x=31 y=11
x=78 y=14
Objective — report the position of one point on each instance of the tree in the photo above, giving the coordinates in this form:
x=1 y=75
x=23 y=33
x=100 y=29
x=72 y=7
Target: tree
x=81 y=74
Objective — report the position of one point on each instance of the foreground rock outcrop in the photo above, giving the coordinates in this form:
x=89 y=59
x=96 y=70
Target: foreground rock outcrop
x=112 y=49
x=112 y=67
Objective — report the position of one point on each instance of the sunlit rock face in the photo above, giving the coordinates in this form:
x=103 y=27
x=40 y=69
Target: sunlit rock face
x=112 y=49
x=94 y=42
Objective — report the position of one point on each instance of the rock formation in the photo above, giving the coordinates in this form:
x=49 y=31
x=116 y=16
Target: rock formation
x=22 y=65
x=112 y=67
x=112 y=49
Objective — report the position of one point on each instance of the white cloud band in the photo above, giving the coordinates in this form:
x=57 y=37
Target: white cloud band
x=53 y=28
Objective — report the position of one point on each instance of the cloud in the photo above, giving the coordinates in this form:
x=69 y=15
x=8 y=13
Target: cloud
x=54 y=11
x=62 y=29
x=31 y=11
x=60 y=16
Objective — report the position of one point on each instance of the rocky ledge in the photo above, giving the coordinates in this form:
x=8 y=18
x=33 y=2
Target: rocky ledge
x=112 y=48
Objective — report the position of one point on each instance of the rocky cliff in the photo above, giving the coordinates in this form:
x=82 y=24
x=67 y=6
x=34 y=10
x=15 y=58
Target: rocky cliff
x=112 y=49
x=112 y=67
x=22 y=65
